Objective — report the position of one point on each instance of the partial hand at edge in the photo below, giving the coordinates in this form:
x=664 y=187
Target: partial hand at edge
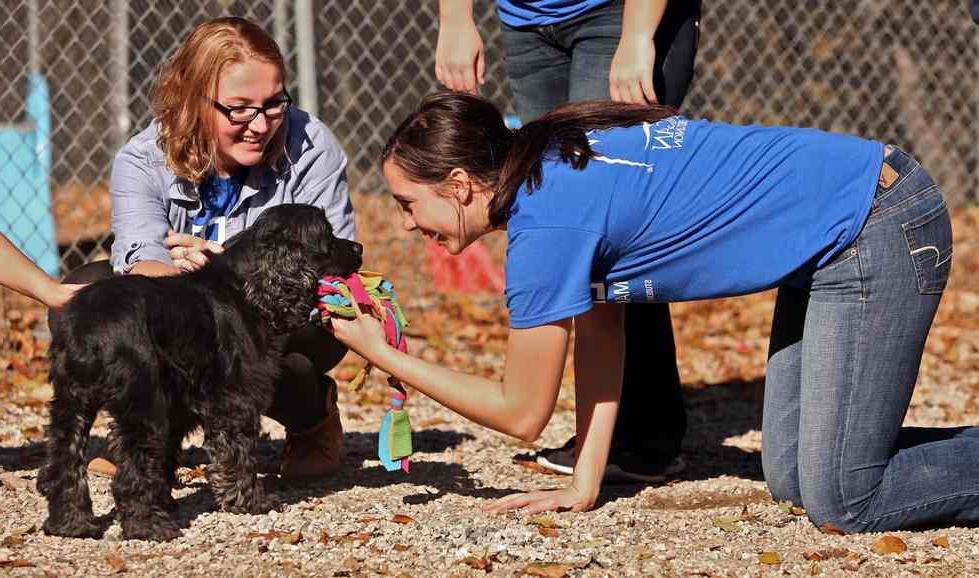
x=460 y=58
x=187 y=251
x=564 y=499
x=631 y=73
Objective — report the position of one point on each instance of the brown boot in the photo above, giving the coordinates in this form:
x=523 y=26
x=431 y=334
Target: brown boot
x=318 y=451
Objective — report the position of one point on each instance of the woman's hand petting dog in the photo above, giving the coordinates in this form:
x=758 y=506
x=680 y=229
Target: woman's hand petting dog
x=187 y=251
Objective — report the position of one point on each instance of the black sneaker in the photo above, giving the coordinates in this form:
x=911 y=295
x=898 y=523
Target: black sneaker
x=622 y=466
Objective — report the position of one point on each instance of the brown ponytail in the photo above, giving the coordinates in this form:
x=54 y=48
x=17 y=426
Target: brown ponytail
x=456 y=130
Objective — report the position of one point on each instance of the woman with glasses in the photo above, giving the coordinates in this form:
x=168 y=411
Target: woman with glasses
x=226 y=144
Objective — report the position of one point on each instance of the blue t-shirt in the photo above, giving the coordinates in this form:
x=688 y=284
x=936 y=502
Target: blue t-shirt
x=684 y=209
x=518 y=13
x=218 y=198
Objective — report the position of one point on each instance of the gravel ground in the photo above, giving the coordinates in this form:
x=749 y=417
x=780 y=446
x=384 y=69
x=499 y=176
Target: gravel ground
x=715 y=519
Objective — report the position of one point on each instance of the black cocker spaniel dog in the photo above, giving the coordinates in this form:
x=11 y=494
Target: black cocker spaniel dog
x=164 y=355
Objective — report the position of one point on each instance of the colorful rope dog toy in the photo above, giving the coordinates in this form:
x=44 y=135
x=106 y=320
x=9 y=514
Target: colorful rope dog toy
x=375 y=295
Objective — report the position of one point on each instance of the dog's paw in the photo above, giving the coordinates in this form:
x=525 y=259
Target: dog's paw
x=155 y=528
x=79 y=526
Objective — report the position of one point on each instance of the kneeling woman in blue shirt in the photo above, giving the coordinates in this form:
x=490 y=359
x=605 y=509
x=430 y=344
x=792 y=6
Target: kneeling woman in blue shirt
x=607 y=203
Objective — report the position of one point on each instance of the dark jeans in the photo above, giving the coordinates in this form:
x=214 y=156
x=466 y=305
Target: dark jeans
x=300 y=393
x=845 y=350
x=551 y=65
x=548 y=66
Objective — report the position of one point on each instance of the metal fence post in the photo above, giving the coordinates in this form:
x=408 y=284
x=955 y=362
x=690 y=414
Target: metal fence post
x=306 y=57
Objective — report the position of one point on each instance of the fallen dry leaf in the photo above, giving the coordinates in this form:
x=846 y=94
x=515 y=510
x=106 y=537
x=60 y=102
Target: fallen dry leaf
x=16 y=563
x=828 y=554
x=726 y=523
x=362 y=537
x=432 y=422
x=479 y=563
x=102 y=467
x=827 y=528
x=769 y=558
x=548 y=532
x=117 y=564
x=940 y=541
x=889 y=544
x=546 y=570
x=542 y=522
x=14 y=482
x=16 y=537
x=284 y=537
x=402 y=519
x=33 y=433
x=194 y=474
x=535 y=467
x=401 y=547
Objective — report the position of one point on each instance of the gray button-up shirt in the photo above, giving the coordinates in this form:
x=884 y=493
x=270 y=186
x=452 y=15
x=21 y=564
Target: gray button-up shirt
x=148 y=199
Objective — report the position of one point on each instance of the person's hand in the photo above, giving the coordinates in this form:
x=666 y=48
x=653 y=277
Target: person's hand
x=363 y=334
x=60 y=295
x=631 y=74
x=187 y=251
x=459 y=57
x=570 y=498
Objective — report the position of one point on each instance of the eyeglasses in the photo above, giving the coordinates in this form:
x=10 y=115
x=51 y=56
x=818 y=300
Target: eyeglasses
x=246 y=114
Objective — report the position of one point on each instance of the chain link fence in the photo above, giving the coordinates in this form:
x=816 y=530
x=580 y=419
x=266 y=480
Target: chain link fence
x=902 y=71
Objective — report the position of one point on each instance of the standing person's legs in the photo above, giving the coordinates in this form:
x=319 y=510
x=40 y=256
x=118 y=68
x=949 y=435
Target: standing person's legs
x=594 y=37
x=868 y=317
x=652 y=419
x=537 y=70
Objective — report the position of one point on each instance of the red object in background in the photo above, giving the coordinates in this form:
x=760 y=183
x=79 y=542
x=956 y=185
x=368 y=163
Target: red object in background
x=472 y=271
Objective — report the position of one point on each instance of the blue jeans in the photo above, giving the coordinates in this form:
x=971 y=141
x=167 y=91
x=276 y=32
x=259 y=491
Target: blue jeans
x=843 y=360
x=548 y=66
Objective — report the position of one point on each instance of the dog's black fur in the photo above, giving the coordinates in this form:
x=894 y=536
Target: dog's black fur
x=164 y=355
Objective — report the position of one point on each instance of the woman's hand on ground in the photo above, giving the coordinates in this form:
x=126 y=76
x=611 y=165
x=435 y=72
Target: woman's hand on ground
x=187 y=251
x=570 y=498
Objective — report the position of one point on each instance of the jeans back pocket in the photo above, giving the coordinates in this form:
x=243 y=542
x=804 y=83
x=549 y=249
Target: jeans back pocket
x=929 y=240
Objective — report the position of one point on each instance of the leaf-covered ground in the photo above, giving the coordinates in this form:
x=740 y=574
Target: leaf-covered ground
x=716 y=518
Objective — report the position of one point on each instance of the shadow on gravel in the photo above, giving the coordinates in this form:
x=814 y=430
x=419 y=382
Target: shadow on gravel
x=26 y=457
x=440 y=478
x=714 y=414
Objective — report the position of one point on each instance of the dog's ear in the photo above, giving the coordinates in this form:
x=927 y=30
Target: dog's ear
x=282 y=285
